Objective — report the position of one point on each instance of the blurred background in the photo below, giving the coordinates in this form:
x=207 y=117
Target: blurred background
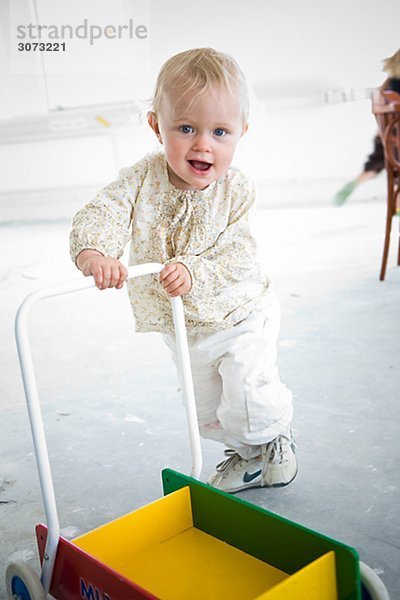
x=70 y=120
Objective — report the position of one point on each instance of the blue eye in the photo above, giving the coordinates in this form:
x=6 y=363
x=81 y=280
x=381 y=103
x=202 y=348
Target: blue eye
x=219 y=132
x=186 y=129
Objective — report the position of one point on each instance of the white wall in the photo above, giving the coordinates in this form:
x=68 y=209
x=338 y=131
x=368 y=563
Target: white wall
x=292 y=52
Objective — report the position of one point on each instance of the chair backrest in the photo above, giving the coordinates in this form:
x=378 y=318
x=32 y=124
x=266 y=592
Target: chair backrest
x=386 y=108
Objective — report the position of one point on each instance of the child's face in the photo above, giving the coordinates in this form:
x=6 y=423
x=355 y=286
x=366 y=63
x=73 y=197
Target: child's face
x=200 y=141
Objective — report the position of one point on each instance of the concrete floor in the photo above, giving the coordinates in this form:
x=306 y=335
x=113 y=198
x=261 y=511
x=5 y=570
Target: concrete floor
x=113 y=413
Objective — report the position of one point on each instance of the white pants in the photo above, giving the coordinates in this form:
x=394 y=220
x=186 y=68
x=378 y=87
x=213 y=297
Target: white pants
x=240 y=399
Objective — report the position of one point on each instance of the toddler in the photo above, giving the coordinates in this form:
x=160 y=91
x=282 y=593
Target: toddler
x=187 y=208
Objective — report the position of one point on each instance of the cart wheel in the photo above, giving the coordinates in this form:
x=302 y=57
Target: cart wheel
x=23 y=583
x=372 y=585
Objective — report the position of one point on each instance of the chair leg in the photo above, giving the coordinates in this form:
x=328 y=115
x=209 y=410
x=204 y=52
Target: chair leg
x=389 y=216
x=386 y=247
x=397 y=211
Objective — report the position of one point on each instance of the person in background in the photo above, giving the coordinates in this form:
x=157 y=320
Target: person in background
x=375 y=162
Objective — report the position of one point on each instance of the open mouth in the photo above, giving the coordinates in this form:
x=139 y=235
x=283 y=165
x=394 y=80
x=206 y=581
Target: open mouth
x=200 y=165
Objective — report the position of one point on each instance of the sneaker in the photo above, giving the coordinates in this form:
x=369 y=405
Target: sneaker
x=276 y=467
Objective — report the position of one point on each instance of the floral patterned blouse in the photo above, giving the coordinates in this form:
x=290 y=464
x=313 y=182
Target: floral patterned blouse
x=206 y=230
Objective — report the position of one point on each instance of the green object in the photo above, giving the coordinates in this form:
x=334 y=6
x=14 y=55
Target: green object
x=341 y=196
x=279 y=542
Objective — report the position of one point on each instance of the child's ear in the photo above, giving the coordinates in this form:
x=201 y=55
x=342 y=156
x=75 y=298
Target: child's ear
x=153 y=122
x=245 y=128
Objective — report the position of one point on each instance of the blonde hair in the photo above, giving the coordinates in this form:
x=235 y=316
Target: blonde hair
x=196 y=71
x=391 y=65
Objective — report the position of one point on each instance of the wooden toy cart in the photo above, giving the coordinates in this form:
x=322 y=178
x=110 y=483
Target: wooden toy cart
x=195 y=543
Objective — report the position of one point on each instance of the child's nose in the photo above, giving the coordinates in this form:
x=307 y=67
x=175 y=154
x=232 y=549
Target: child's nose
x=202 y=143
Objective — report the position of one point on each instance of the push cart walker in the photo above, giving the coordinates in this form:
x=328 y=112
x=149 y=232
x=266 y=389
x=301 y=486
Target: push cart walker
x=35 y=414
x=224 y=518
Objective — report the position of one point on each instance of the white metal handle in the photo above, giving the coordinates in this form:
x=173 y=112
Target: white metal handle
x=33 y=404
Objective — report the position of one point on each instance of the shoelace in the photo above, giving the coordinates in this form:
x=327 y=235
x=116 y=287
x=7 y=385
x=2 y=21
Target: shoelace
x=233 y=458
x=274 y=453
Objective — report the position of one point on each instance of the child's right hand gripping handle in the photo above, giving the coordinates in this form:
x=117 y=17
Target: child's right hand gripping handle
x=107 y=272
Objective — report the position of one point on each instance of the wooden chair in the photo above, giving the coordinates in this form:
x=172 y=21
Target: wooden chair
x=386 y=108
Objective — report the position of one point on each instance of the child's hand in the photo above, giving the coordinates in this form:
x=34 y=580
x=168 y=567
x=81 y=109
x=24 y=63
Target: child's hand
x=175 y=279
x=107 y=272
